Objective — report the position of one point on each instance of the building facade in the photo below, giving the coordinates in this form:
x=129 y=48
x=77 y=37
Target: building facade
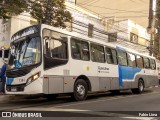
x=124 y=32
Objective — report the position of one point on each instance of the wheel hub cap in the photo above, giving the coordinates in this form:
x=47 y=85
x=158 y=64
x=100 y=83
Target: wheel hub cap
x=81 y=90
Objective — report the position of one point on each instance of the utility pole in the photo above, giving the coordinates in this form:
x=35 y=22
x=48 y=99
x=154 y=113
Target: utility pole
x=150 y=27
x=157 y=24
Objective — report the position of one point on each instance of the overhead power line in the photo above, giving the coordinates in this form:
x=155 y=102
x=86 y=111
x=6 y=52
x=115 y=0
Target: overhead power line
x=114 y=9
x=125 y=13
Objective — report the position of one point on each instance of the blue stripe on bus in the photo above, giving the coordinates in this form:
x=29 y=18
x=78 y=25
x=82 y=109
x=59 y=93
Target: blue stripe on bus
x=126 y=72
x=9 y=81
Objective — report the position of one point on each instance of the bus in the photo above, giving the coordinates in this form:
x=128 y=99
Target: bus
x=50 y=61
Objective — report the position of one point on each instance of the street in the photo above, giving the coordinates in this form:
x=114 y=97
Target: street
x=126 y=105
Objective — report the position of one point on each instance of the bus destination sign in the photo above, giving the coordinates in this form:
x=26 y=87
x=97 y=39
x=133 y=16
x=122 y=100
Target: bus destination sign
x=25 y=32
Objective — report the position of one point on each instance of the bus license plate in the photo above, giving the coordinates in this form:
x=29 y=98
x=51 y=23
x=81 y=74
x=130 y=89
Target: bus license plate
x=13 y=89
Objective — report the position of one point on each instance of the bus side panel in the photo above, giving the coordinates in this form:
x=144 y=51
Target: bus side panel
x=135 y=82
x=149 y=80
x=69 y=84
x=108 y=74
x=104 y=83
x=94 y=84
x=114 y=83
x=127 y=84
x=45 y=85
x=54 y=84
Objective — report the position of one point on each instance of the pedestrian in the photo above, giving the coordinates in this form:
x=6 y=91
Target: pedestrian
x=3 y=77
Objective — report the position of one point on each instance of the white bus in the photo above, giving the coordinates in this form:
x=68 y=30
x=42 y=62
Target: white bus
x=50 y=61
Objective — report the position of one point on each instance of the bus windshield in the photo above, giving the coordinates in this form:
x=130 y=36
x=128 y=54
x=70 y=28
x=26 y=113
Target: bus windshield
x=25 y=53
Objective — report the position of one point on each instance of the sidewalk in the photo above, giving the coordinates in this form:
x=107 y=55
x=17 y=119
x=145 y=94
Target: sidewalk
x=6 y=98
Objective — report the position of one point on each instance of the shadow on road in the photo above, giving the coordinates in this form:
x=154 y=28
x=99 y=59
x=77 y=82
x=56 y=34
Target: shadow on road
x=14 y=102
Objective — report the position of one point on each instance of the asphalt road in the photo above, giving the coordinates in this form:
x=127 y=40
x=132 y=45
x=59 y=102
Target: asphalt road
x=124 y=106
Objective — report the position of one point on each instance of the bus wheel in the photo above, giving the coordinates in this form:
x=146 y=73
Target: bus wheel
x=80 y=90
x=140 y=88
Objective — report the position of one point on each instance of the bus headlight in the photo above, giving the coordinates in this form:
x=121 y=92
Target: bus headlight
x=33 y=77
x=36 y=76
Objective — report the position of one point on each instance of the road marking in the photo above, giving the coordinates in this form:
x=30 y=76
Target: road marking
x=54 y=109
x=140 y=118
x=101 y=100
x=94 y=113
x=69 y=110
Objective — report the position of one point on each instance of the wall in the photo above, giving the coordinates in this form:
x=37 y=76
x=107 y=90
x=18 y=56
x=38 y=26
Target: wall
x=13 y=25
x=127 y=28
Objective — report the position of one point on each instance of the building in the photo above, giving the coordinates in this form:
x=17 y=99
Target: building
x=8 y=28
x=132 y=35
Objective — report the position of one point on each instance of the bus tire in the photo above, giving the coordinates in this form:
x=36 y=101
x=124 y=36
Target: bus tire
x=80 y=90
x=140 y=88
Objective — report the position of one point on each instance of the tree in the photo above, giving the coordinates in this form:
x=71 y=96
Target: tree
x=9 y=8
x=51 y=12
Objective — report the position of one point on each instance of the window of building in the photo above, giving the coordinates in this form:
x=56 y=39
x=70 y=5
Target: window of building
x=112 y=37
x=97 y=53
x=111 y=56
x=139 y=61
x=152 y=64
x=131 y=59
x=122 y=58
x=134 y=38
x=80 y=49
x=146 y=63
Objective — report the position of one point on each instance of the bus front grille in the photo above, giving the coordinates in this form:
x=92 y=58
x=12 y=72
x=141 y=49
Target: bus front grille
x=15 y=88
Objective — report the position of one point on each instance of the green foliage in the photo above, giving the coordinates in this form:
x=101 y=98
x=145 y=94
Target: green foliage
x=51 y=12
x=9 y=8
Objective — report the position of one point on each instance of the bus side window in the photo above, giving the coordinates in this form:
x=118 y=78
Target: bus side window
x=47 y=48
x=97 y=53
x=122 y=58
x=146 y=63
x=58 y=49
x=131 y=60
x=114 y=55
x=111 y=56
x=80 y=49
x=139 y=61
x=85 y=50
x=152 y=64
x=75 y=46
